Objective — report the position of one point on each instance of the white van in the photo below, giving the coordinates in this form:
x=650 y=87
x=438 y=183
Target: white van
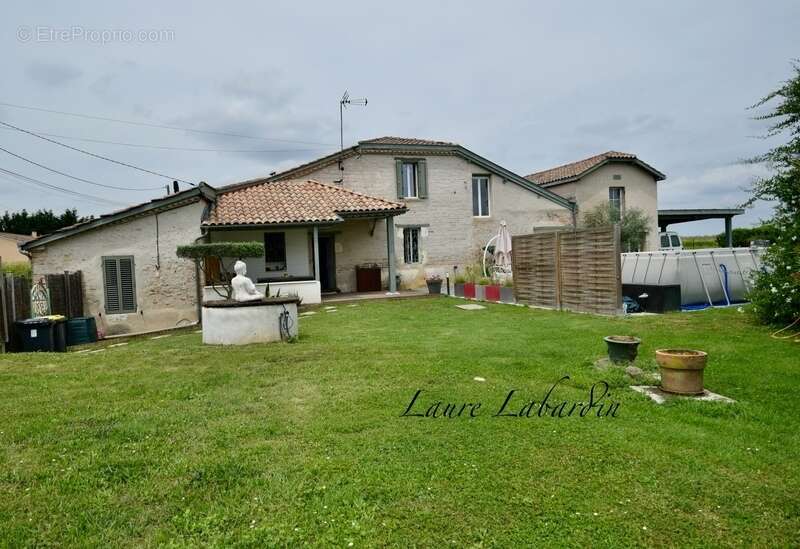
x=670 y=241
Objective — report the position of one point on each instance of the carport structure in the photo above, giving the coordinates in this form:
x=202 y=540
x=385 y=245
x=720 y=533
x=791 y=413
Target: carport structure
x=668 y=217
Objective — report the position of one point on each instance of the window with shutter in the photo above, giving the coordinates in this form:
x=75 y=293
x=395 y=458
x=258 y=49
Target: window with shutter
x=119 y=278
x=412 y=178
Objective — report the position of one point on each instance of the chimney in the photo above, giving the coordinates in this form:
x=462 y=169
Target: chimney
x=175 y=188
x=34 y=234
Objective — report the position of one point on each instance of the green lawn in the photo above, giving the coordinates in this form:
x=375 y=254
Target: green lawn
x=169 y=442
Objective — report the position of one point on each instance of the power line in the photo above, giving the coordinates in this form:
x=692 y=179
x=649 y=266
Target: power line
x=27 y=179
x=171 y=178
x=168 y=148
x=162 y=126
x=28 y=160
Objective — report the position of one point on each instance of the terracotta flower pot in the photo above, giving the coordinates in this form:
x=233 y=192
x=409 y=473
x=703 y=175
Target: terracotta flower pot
x=622 y=348
x=681 y=370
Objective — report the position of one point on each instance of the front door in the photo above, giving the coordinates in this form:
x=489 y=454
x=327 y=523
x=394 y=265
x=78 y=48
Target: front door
x=327 y=263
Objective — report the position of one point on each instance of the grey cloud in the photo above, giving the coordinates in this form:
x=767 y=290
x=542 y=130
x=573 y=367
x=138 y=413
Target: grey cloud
x=52 y=74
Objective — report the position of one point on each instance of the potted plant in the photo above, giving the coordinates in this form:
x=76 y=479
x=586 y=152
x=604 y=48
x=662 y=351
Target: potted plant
x=622 y=348
x=492 y=291
x=681 y=370
x=458 y=285
x=434 y=283
x=471 y=275
x=507 y=291
x=480 y=288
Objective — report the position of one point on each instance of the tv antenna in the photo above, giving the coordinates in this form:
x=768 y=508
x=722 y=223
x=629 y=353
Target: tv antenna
x=343 y=103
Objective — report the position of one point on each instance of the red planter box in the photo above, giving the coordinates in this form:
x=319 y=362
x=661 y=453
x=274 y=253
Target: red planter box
x=492 y=293
x=469 y=290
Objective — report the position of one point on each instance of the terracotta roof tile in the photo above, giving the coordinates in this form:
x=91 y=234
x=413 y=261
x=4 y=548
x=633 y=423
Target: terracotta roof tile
x=283 y=202
x=389 y=140
x=574 y=169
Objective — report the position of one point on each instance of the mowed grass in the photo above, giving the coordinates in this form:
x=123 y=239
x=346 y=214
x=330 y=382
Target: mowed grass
x=171 y=442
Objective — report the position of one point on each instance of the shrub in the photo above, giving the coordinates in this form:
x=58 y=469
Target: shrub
x=20 y=269
x=634 y=225
x=236 y=250
x=776 y=290
x=742 y=237
x=483 y=281
x=460 y=279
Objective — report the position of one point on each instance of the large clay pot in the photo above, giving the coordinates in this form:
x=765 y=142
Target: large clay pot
x=681 y=370
x=622 y=348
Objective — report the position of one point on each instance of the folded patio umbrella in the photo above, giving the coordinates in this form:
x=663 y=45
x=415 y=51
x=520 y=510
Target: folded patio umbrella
x=502 y=248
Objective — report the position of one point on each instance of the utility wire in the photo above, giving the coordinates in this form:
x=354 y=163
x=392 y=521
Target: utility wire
x=27 y=179
x=168 y=148
x=162 y=126
x=29 y=161
x=96 y=155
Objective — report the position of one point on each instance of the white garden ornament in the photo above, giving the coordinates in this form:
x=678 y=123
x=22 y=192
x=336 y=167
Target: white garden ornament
x=243 y=287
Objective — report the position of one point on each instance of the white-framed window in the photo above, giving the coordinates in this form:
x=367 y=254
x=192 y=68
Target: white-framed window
x=616 y=199
x=410 y=174
x=411 y=244
x=119 y=284
x=480 y=196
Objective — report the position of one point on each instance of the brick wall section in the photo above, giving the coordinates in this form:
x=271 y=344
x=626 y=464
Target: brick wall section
x=165 y=296
x=450 y=234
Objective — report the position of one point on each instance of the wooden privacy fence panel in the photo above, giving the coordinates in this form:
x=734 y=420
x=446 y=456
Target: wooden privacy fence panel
x=533 y=262
x=66 y=294
x=569 y=270
x=66 y=298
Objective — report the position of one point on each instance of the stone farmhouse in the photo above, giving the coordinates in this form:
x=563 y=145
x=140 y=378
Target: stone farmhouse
x=402 y=208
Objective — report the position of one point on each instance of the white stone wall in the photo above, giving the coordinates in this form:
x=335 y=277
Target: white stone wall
x=165 y=284
x=641 y=191
x=451 y=236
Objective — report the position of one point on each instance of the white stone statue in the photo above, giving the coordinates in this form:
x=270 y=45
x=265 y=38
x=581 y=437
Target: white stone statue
x=243 y=287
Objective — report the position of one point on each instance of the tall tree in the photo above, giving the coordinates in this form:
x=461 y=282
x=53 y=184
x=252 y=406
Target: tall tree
x=776 y=290
x=40 y=221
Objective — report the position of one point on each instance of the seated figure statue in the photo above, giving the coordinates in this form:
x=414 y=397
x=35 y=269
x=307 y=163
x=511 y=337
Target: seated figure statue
x=243 y=287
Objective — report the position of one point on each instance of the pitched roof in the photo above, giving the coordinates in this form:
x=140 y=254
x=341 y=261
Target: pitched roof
x=201 y=191
x=402 y=145
x=389 y=140
x=295 y=202
x=574 y=170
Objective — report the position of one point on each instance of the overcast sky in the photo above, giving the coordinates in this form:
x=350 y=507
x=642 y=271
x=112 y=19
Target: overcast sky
x=528 y=85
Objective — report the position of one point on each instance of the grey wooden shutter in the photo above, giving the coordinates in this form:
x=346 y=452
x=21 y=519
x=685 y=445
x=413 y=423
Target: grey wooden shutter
x=399 y=171
x=422 y=179
x=119 y=280
x=127 y=284
x=110 y=278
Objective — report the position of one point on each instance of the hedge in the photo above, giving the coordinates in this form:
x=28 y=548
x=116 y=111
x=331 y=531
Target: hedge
x=221 y=249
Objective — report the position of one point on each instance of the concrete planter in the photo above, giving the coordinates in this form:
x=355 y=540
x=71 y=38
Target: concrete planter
x=434 y=286
x=458 y=289
x=480 y=292
x=622 y=348
x=240 y=323
x=681 y=370
x=507 y=294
